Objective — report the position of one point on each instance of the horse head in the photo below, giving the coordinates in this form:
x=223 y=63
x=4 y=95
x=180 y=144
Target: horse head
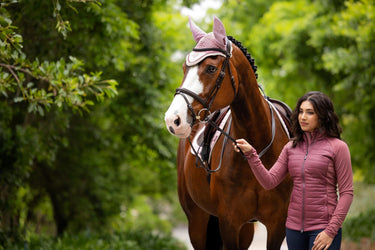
x=208 y=84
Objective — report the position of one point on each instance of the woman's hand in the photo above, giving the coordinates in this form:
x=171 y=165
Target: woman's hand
x=243 y=145
x=322 y=241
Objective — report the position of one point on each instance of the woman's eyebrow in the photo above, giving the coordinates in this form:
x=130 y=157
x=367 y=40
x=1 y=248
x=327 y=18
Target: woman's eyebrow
x=306 y=109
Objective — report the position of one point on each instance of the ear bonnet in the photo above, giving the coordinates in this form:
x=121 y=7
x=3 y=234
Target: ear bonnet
x=216 y=39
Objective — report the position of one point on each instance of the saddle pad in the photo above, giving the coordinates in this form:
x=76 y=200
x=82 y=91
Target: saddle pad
x=281 y=119
x=198 y=139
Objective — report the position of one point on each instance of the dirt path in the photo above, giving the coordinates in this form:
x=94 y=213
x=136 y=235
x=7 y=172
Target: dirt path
x=259 y=242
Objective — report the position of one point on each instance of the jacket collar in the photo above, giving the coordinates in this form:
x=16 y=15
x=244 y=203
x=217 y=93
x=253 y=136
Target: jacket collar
x=310 y=137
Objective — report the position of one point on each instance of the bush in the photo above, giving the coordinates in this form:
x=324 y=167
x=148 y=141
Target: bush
x=361 y=226
x=134 y=240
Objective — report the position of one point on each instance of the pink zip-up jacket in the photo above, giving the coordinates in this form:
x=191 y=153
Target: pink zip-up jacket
x=318 y=166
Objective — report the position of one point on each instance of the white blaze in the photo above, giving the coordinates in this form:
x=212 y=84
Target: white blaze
x=178 y=108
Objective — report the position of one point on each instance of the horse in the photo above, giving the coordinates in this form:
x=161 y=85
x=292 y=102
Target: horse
x=219 y=194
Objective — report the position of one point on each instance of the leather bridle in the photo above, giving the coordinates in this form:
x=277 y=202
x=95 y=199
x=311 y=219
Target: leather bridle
x=211 y=97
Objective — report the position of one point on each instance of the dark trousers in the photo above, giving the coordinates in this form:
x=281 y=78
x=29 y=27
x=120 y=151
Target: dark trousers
x=305 y=241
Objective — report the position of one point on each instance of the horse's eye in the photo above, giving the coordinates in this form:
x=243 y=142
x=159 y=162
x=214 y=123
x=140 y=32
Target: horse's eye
x=211 y=69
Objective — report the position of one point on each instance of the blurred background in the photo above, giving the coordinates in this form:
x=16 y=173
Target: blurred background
x=85 y=159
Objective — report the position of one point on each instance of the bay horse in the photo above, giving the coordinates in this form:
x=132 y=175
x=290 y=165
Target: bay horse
x=221 y=197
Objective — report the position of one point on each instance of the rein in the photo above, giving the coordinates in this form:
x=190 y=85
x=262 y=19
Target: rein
x=203 y=164
x=227 y=136
x=207 y=105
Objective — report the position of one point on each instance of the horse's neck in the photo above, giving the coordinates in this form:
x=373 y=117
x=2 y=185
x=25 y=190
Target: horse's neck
x=251 y=114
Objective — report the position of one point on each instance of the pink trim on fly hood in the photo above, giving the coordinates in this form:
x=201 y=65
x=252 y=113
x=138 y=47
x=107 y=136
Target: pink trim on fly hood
x=215 y=39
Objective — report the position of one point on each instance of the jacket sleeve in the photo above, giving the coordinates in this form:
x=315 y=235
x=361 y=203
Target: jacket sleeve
x=269 y=178
x=344 y=176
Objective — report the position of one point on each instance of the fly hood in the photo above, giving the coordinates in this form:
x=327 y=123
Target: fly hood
x=215 y=40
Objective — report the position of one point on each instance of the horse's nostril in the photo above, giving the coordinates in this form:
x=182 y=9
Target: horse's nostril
x=177 y=122
x=171 y=130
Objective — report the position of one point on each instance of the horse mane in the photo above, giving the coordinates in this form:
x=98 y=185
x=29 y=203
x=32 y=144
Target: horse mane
x=246 y=53
x=283 y=109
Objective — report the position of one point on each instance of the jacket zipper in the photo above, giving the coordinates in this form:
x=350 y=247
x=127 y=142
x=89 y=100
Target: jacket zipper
x=304 y=183
x=303 y=189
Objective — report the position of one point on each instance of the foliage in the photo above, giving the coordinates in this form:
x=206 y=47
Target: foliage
x=63 y=170
x=135 y=239
x=45 y=84
x=360 y=226
x=360 y=208
x=37 y=97
x=241 y=16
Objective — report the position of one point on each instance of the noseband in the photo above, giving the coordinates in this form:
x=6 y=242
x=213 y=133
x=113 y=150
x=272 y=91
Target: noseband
x=211 y=97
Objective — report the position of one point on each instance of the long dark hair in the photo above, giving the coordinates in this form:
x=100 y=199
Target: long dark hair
x=323 y=106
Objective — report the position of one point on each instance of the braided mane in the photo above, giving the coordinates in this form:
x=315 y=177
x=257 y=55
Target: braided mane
x=247 y=54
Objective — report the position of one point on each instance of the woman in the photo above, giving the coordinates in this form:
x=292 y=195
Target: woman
x=318 y=161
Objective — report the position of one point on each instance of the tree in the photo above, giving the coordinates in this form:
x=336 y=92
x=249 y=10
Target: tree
x=35 y=94
x=82 y=166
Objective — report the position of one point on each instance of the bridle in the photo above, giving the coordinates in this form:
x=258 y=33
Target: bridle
x=211 y=97
x=208 y=102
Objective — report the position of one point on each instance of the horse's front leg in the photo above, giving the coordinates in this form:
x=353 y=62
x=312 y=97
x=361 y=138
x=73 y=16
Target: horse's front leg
x=275 y=232
x=246 y=235
x=204 y=230
x=198 y=219
x=274 y=217
x=198 y=222
x=233 y=233
x=274 y=211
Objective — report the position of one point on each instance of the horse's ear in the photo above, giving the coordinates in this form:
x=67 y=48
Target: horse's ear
x=197 y=32
x=219 y=32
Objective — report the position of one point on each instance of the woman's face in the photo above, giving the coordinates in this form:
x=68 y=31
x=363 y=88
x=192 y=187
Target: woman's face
x=307 y=117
